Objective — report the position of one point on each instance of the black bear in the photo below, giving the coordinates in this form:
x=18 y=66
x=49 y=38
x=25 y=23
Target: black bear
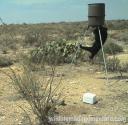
x=97 y=44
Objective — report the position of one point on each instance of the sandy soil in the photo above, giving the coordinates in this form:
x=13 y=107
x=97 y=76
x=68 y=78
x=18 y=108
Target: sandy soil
x=112 y=97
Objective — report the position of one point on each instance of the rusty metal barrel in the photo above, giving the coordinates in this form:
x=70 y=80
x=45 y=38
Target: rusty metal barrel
x=96 y=14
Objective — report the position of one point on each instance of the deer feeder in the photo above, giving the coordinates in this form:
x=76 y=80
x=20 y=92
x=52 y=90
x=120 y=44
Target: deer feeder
x=96 y=14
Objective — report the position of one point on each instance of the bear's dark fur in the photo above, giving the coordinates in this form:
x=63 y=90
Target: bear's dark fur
x=96 y=45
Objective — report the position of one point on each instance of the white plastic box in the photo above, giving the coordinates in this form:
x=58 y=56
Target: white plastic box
x=89 y=98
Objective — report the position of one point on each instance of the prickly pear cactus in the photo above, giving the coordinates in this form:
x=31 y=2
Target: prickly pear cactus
x=57 y=52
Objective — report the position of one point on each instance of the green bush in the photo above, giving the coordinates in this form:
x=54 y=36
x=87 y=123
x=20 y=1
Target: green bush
x=112 y=48
x=31 y=38
x=5 y=61
x=113 y=64
x=124 y=67
x=57 y=52
x=7 y=42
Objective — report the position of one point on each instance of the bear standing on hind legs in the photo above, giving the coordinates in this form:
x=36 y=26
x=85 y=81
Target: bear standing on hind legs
x=97 y=44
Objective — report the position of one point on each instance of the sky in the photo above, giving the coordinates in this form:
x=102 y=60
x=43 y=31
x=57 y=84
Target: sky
x=45 y=11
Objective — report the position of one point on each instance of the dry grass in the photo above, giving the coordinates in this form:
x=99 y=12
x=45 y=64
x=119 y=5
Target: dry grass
x=80 y=79
x=123 y=57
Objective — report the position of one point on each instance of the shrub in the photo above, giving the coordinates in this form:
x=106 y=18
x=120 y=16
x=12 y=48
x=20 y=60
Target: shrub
x=32 y=38
x=5 y=61
x=36 y=37
x=40 y=95
x=113 y=64
x=124 y=67
x=56 y=52
x=112 y=48
x=7 y=41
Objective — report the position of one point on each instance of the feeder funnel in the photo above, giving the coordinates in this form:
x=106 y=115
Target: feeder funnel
x=96 y=14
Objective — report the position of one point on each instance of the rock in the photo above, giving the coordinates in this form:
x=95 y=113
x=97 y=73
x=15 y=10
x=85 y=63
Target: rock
x=74 y=103
x=62 y=102
x=20 y=123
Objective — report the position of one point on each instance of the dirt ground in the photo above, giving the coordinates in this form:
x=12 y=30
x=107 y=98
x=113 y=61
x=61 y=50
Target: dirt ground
x=112 y=96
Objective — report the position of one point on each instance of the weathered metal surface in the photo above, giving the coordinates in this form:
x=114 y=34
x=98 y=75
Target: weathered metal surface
x=96 y=14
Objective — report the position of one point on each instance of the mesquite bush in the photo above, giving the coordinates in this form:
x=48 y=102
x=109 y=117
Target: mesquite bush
x=41 y=96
